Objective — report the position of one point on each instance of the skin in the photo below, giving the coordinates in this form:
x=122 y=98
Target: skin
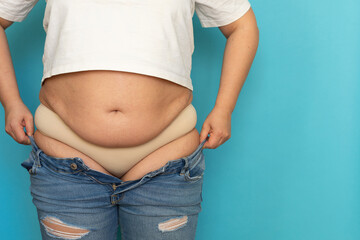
x=241 y=45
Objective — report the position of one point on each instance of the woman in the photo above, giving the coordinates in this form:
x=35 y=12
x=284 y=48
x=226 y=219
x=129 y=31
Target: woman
x=116 y=141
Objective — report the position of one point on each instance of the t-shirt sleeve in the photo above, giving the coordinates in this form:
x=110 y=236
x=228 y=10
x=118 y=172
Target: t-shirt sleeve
x=16 y=10
x=216 y=13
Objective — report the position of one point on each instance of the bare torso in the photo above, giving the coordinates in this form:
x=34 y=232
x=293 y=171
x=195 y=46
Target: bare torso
x=117 y=109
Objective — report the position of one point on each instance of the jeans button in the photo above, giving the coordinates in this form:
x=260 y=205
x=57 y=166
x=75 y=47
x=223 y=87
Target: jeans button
x=73 y=166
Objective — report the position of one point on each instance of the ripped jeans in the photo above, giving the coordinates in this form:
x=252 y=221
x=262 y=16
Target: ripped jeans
x=76 y=202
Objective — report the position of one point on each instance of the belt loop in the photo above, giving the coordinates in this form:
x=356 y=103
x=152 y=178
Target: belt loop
x=81 y=162
x=186 y=166
x=37 y=158
x=33 y=145
x=36 y=150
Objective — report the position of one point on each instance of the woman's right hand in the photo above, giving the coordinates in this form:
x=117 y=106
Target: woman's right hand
x=18 y=116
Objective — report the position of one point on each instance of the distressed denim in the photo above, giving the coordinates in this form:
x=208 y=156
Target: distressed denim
x=76 y=202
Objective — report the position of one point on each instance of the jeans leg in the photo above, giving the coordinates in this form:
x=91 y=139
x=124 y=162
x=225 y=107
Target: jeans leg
x=69 y=203
x=167 y=205
x=177 y=227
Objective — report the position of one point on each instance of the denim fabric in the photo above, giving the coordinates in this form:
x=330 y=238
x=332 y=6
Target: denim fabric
x=88 y=204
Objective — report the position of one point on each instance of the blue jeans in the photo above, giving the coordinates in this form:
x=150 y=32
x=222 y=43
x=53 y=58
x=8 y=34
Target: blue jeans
x=76 y=202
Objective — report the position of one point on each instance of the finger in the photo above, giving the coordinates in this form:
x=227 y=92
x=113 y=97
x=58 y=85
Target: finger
x=25 y=124
x=29 y=125
x=20 y=135
x=212 y=142
x=204 y=132
x=205 y=145
x=27 y=139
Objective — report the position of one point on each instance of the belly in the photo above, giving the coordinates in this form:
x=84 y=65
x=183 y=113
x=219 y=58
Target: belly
x=114 y=109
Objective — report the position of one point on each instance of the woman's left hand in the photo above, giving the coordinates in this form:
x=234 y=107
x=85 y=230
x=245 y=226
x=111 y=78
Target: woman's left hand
x=218 y=125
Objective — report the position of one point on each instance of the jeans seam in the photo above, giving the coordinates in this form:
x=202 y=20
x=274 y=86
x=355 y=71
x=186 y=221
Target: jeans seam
x=197 y=161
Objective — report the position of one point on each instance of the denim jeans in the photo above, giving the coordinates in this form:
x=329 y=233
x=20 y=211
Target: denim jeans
x=76 y=202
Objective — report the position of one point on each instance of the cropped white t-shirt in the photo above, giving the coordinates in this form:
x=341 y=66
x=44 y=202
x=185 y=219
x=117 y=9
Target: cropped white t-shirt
x=151 y=37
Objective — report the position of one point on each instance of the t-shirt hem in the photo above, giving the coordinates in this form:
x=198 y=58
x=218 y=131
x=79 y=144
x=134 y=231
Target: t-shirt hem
x=183 y=81
x=231 y=18
x=11 y=17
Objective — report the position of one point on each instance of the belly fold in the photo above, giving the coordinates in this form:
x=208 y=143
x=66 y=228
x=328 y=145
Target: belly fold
x=116 y=160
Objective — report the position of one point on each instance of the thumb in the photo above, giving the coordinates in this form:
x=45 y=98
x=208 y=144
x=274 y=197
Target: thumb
x=204 y=132
x=23 y=124
x=29 y=125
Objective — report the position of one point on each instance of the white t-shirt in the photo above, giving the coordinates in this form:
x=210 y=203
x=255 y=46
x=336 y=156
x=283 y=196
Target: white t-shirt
x=151 y=37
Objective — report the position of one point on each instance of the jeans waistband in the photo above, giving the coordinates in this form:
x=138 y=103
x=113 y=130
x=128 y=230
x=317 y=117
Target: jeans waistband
x=66 y=165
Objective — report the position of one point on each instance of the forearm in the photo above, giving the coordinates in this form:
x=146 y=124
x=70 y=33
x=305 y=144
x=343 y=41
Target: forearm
x=9 y=92
x=240 y=50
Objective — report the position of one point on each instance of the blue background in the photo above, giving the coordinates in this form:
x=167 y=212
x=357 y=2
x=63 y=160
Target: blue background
x=290 y=170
